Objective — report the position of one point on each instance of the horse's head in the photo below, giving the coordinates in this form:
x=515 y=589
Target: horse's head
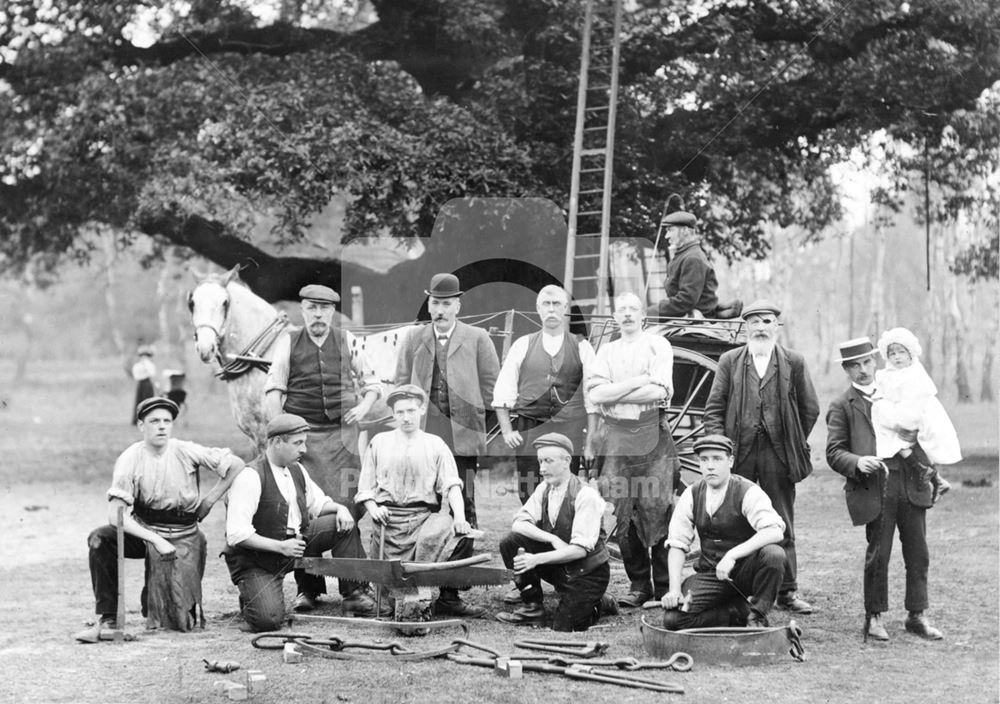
x=209 y=305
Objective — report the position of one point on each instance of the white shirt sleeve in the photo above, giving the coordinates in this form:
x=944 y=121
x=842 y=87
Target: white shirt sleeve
x=587 y=357
x=362 y=369
x=244 y=497
x=759 y=511
x=531 y=511
x=505 y=390
x=277 y=374
x=662 y=367
x=680 y=534
x=315 y=498
x=587 y=519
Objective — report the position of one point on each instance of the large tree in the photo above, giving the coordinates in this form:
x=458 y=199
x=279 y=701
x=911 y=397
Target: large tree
x=239 y=109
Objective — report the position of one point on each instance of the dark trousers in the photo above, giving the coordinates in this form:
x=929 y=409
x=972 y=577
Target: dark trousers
x=764 y=466
x=463 y=549
x=440 y=425
x=579 y=605
x=911 y=520
x=716 y=603
x=103 y=548
x=261 y=594
x=526 y=457
x=642 y=564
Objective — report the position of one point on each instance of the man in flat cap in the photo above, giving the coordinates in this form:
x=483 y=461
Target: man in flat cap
x=558 y=535
x=740 y=559
x=541 y=385
x=316 y=375
x=456 y=365
x=277 y=513
x=881 y=495
x=157 y=481
x=631 y=384
x=763 y=400
x=405 y=477
x=691 y=282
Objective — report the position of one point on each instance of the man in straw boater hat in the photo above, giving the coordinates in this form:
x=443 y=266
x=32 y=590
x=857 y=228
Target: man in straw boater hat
x=763 y=399
x=631 y=382
x=882 y=494
x=314 y=375
x=277 y=513
x=558 y=535
x=456 y=365
x=741 y=564
x=157 y=481
x=406 y=475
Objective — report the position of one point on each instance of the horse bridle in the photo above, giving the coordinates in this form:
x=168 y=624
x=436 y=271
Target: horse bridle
x=220 y=331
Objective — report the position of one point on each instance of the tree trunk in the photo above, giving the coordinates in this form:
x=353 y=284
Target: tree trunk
x=986 y=386
x=110 y=300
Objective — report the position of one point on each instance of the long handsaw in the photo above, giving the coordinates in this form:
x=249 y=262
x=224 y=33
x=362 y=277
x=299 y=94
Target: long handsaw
x=399 y=573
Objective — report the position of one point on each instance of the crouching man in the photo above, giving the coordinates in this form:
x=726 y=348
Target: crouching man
x=277 y=513
x=740 y=558
x=558 y=536
x=157 y=480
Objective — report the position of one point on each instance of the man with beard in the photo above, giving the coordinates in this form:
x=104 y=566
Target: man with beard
x=631 y=383
x=763 y=400
x=277 y=513
x=541 y=384
x=456 y=365
x=881 y=494
x=313 y=375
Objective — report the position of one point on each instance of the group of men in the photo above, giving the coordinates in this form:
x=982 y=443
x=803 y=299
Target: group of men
x=567 y=413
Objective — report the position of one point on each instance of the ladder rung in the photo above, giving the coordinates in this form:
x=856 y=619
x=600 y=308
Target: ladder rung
x=591 y=171
x=584 y=278
x=592 y=191
x=601 y=128
x=592 y=255
x=588 y=234
x=594 y=152
x=596 y=109
x=589 y=212
x=598 y=87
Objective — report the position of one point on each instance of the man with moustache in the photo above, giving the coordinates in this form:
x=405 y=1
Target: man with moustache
x=763 y=400
x=881 y=495
x=738 y=531
x=277 y=513
x=456 y=365
x=541 y=384
x=631 y=384
x=157 y=481
x=406 y=475
x=314 y=375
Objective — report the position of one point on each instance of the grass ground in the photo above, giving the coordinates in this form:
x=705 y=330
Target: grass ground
x=60 y=433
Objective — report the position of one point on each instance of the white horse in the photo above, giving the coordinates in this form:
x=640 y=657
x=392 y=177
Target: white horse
x=237 y=328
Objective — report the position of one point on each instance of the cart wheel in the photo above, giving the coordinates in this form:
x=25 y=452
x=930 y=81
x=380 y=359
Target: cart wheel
x=693 y=376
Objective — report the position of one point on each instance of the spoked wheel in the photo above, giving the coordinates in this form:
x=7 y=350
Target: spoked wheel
x=693 y=376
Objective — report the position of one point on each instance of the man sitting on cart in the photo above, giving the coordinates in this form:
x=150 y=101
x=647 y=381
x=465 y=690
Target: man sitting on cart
x=691 y=282
x=741 y=566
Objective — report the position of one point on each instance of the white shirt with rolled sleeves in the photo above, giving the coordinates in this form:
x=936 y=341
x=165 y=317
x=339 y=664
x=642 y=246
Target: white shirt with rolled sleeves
x=587 y=519
x=277 y=374
x=505 y=390
x=619 y=360
x=244 y=497
x=757 y=508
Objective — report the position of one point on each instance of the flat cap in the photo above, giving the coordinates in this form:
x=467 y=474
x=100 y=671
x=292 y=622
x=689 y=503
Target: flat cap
x=855 y=349
x=713 y=442
x=761 y=305
x=553 y=440
x=405 y=391
x=317 y=292
x=154 y=402
x=286 y=424
x=444 y=286
x=679 y=218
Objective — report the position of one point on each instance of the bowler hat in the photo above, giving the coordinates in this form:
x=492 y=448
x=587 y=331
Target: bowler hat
x=856 y=349
x=713 y=442
x=761 y=305
x=444 y=286
x=406 y=391
x=679 y=219
x=154 y=402
x=553 y=440
x=319 y=293
x=286 y=424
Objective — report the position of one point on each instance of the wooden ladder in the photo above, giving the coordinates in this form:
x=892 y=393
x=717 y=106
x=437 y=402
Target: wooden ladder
x=589 y=226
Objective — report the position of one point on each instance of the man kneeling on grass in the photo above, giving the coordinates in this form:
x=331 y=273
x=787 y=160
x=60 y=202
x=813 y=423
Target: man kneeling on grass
x=277 y=513
x=741 y=566
x=558 y=536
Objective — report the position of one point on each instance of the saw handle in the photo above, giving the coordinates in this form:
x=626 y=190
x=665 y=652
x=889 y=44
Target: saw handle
x=413 y=567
